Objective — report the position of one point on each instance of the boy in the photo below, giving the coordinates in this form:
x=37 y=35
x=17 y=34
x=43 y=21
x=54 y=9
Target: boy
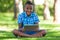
x=28 y=17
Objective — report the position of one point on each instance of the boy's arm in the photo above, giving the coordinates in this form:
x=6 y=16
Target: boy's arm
x=20 y=27
x=36 y=19
x=20 y=22
x=36 y=28
x=37 y=23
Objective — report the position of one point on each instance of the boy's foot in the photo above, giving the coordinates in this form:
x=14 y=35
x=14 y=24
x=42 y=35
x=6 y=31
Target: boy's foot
x=15 y=35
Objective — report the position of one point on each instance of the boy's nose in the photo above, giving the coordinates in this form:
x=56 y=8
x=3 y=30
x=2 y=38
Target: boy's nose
x=29 y=10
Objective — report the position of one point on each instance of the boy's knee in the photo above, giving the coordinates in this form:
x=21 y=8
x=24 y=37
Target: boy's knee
x=14 y=31
x=43 y=31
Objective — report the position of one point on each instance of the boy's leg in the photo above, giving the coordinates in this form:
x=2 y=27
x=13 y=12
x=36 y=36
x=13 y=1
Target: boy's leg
x=40 y=33
x=18 y=33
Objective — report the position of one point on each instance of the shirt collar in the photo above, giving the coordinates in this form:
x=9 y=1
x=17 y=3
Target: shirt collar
x=30 y=15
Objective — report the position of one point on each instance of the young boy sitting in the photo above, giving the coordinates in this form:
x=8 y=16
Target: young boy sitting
x=28 y=17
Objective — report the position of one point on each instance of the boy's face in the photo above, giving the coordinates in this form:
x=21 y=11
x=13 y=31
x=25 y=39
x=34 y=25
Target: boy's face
x=28 y=9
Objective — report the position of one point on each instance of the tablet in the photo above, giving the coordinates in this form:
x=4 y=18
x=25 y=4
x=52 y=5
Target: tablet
x=31 y=27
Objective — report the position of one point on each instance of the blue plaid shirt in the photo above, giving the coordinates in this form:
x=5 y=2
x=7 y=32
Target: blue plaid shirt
x=23 y=18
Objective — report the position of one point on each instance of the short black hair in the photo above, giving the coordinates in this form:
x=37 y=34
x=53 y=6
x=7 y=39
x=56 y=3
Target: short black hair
x=29 y=2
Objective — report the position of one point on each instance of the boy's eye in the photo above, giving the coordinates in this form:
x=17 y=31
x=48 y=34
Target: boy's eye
x=29 y=8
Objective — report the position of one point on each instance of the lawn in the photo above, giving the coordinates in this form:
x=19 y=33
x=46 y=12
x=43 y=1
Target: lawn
x=7 y=24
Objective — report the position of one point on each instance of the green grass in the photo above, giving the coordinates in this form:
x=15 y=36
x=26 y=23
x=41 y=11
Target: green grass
x=7 y=24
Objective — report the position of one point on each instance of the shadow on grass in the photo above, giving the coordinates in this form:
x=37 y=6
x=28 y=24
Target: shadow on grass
x=53 y=34
x=6 y=34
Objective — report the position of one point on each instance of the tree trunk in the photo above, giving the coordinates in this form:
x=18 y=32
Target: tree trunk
x=46 y=10
x=57 y=11
x=18 y=8
x=15 y=10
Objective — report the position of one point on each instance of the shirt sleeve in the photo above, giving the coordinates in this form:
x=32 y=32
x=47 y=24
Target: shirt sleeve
x=36 y=20
x=19 y=19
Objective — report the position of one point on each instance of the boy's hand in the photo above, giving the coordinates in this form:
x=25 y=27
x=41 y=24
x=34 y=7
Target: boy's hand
x=21 y=29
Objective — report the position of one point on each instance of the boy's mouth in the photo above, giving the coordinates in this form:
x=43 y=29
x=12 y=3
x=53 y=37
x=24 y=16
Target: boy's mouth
x=28 y=13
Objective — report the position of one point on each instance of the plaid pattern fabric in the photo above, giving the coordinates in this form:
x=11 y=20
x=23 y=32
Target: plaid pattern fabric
x=23 y=18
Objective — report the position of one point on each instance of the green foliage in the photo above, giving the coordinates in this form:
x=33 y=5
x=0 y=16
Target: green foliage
x=24 y=1
x=6 y=5
x=51 y=11
x=39 y=9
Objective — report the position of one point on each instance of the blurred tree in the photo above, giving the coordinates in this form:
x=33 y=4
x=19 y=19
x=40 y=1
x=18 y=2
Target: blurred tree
x=18 y=8
x=57 y=11
x=15 y=9
x=6 y=5
x=46 y=10
x=24 y=1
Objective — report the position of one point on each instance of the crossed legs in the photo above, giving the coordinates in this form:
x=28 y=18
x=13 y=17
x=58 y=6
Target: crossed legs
x=38 y=34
